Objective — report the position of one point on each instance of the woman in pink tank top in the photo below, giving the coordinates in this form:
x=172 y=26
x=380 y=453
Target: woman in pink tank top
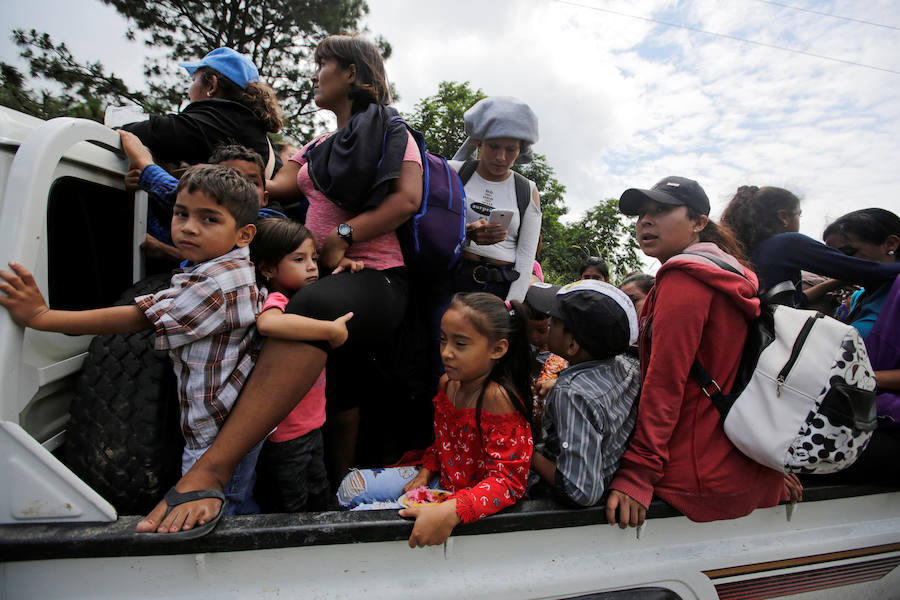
x=362 y=182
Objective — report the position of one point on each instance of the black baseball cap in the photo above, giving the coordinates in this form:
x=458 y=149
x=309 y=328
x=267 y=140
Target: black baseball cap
x=673 y=190
x=541 y=297
x=599 y=315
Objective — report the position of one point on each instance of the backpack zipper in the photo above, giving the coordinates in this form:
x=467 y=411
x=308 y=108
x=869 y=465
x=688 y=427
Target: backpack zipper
x=795 y=352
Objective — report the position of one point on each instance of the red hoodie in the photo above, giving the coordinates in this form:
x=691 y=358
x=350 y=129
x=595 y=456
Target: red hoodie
x=679 y=450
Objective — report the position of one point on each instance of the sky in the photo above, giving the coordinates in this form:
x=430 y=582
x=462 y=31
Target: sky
x=624 y=100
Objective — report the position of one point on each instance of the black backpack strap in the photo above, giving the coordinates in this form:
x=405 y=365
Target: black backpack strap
x=710 y=387
x=523 y=196
x=466 y=170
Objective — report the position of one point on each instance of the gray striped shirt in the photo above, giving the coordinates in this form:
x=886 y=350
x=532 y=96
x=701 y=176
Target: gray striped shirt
x=588 y=420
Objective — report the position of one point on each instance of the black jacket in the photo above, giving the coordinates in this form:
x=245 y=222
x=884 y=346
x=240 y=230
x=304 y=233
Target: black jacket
x=191 y=135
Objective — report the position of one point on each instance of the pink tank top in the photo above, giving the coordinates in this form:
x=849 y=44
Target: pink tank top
x=324 y=215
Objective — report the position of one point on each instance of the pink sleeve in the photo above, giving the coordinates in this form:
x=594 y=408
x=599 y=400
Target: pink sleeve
x=412 y=153
x=275 y=300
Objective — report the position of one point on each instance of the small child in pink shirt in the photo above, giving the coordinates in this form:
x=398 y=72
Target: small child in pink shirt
x=291 y=473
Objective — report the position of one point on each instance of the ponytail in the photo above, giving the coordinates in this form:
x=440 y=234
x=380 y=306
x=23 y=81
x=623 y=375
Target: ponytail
x=258 y=97
x=753 y=213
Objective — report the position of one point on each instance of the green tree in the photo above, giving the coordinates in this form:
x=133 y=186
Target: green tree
x=603 y=231
x=278 y=35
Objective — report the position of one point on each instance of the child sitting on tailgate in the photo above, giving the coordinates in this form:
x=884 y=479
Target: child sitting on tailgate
x=591 y=410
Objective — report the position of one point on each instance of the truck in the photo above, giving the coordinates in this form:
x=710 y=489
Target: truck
x=66 y=216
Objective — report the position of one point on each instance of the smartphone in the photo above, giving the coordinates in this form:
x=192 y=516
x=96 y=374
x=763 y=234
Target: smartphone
x=501 y=216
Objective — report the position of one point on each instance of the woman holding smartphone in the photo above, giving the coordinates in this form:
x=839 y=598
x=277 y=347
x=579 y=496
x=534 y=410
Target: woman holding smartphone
x=502 y=239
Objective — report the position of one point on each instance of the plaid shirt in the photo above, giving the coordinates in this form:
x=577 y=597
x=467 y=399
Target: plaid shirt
x=206 y=322
x=588 y=420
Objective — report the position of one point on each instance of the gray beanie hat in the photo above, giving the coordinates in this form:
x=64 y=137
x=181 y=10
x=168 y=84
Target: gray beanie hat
x=500 y=117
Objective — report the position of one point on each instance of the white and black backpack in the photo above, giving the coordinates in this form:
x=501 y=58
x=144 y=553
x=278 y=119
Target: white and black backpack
x=803 y=400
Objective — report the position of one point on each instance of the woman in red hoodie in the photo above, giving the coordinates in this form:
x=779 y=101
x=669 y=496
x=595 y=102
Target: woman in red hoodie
x=696 y=309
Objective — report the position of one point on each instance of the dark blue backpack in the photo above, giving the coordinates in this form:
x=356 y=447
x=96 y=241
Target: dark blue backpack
x=434 y=238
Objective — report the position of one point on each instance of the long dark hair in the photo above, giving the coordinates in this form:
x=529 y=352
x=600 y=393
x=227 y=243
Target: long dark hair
x=753 y=213
x=493 y=320
x=275 y=238
x=722 y=236
x=258 y=97
x=872 y=225
x=371 y=83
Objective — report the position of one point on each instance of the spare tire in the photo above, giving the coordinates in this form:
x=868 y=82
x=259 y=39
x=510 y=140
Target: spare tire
x=124 y=438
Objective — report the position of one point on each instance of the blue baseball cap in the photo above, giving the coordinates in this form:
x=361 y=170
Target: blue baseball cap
x=233 y=65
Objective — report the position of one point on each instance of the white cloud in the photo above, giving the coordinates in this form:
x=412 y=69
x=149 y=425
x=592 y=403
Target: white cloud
x=624 y=102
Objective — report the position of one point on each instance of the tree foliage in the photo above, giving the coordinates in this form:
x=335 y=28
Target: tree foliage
x=278 y=35
x=603 y=231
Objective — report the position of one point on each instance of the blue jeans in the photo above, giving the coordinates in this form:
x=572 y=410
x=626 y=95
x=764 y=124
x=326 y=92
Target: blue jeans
x=239 y=490
x=365 y=486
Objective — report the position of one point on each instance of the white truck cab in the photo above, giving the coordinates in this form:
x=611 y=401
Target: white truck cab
x=65 y=215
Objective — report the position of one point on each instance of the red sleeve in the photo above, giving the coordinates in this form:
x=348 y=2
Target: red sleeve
x=430 y=458
x=508 y=452
x=679 y=316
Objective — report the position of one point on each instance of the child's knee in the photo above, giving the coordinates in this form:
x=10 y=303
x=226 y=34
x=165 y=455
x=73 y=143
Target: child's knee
x=352 y=486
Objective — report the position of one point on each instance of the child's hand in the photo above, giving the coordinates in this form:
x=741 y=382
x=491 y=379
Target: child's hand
x=153 y=248
x=420 y=480
x=131 y=180
x=137 y=154
x=347 y=264
x=340 y=330
x=434 y=523
x=542 y=388
x=23 y=299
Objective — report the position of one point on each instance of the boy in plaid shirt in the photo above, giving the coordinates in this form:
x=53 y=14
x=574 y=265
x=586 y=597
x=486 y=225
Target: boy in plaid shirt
x=204 y=319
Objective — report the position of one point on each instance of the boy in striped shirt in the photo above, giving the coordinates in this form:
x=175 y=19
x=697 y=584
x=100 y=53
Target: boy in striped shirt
x=591 y=410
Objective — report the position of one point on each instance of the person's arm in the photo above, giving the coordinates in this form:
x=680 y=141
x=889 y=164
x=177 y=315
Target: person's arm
x=579 y=466
x=544 y=467
x=398 y=206
x=681 y=309
x=808 y=254
x=283 y=187
x=815 y=292
x=888 y=380
x=526 y=247
x=275 y=323
x=27 y=307
x=176 y=137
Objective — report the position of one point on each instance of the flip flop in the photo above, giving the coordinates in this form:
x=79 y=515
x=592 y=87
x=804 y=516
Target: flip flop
x=175 y=498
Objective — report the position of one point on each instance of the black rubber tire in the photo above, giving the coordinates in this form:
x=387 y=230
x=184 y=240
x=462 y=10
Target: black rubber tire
x=124 y=438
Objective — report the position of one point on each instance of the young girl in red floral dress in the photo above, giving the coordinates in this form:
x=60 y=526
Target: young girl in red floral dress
x=482 y=434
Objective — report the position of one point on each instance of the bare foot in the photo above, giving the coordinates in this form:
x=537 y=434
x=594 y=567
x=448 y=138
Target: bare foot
x=185 y=516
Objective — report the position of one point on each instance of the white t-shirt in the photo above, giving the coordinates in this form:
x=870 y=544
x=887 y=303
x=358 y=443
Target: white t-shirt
x=519 y=247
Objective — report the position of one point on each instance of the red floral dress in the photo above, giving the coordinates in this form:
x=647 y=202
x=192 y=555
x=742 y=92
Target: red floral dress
x=486 y=475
